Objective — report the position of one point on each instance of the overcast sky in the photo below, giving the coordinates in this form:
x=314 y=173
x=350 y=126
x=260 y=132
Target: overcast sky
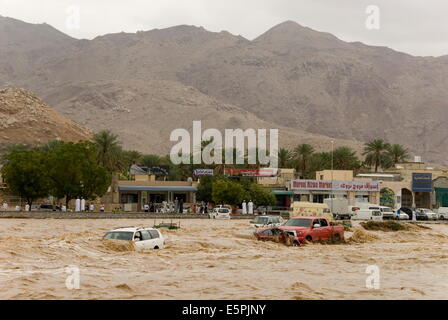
x=418 y=27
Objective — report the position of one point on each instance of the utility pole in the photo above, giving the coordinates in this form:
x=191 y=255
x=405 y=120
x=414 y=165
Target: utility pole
x=332 y=166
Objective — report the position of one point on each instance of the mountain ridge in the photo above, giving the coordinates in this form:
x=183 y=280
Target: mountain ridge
x=290 y=77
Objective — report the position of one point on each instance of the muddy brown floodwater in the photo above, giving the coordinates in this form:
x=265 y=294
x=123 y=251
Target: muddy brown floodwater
x=210 y=259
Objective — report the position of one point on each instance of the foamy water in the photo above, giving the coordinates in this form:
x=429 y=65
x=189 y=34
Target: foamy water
x=213 y=259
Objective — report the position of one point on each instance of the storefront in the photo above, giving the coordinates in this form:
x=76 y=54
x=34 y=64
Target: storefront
x=139 y=195
x=318 y=190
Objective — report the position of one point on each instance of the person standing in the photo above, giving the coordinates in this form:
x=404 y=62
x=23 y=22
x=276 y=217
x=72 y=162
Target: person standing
x=250 y=207
x=27 y=207
x=77 y=205
x=181 y=206
x=83 y=205
x=244 y=207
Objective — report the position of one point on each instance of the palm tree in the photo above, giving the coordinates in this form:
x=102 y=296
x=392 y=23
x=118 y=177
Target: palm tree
x=109 y=151
x=376 y=153
x=284 y=158
x=302 y=153
x=345 y=159
x=398 y=153
x=149 y=160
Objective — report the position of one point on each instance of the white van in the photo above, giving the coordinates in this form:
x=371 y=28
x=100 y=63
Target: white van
x=388 y=213
x=368 y=214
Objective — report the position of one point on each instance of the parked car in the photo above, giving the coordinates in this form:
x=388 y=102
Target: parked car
x=314 y=229
x=401 y=215
x=45 y=207
x=388 y=213
x=409 y=211
x=220 y=213
x=283 y=236
x=144 y=238
x=443 y=213
x=426 y=214
x=266 y=221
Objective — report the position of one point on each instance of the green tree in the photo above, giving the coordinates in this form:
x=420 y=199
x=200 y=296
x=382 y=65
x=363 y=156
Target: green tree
x=398 y=153
x=344 y=158
x=109 y=152
x=227 y=192
x=375 y=152
x=259 y=195
x=302 y=154
x=149 y=160
x=284 y=158
x=205 y=187
x=25 y=175
x=74 y=171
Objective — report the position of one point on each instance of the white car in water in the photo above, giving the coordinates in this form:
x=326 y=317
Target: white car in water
x=144 y=238
x=220 y=213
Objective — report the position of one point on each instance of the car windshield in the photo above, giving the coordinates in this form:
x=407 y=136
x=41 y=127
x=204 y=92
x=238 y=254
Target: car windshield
x=119 y=235
x=263 y=220
x=298 y=223
x=223 y=210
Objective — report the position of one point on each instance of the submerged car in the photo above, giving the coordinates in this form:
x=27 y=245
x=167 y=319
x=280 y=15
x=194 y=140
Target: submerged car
x=288 y=237
x=144 y=238
x=266 y=221
x=220 y=213
x=314 y=229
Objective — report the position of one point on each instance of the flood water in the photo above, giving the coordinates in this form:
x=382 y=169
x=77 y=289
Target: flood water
x=212 y=259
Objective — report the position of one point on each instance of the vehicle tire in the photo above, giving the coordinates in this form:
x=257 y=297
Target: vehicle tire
x=295 y=243
x=336 y=237
x=442 y=218
x=156 y=247
x=309 y=238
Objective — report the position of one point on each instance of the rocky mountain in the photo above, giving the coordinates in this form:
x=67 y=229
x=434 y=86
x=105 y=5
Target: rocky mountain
x=25 y=119
x=309 y=84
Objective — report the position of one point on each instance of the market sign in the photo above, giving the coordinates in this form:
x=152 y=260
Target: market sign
x=263 y=172
x=336 y=185
x=421 y=182
x=203 y=172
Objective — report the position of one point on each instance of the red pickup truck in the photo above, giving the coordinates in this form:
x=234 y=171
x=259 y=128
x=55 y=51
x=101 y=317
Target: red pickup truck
x=314 y=229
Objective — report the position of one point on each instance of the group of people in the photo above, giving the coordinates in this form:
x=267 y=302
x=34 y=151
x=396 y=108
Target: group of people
x=82 y=206
x=165 y=207
x=247 y=208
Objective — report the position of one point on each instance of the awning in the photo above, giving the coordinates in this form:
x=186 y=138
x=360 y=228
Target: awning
x=282 y=193
x=157 y=188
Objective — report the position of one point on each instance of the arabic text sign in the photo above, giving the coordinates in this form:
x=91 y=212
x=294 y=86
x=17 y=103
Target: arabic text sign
x=328 y=185
x=422 y=182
